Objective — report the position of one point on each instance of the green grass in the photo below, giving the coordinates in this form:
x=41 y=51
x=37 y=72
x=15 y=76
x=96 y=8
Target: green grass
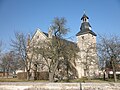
x=11 y=80
x=84 y=80
x=98 y=80
x=18 y=80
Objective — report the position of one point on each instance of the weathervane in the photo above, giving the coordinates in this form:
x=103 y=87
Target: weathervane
x=84 y=11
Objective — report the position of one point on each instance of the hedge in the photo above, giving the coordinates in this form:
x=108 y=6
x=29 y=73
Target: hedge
x=39 y=75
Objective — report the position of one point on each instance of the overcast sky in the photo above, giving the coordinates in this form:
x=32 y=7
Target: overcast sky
x=28 y=15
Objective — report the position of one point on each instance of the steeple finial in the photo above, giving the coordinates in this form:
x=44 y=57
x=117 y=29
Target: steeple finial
x=84 y=11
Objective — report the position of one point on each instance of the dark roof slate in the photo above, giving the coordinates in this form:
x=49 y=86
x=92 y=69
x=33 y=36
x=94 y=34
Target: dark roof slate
x=85 y=32
x=63 y=40
x=46 y=34
x=85 y=25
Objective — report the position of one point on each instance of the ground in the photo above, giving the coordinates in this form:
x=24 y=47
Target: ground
x=83 y=80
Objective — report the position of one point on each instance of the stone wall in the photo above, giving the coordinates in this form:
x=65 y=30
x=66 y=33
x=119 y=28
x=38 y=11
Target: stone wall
x=58 y=86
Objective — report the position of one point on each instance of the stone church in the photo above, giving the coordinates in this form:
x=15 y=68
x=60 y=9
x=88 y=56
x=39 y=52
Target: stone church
x=87 y=63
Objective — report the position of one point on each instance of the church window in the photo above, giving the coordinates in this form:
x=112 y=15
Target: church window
x=37 y=37
x=82 y=37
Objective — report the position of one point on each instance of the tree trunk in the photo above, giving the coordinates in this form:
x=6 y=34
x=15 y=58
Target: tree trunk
x=28 y=75
x=7 y=73
x=35 y=75
x=4 y=72
x=104 y=76
x=51 y=76
x=35 y=72
x=67 y=70
x=52 y=72
x=115 y=78
x=88 y=75
x=114 y=71
x=88 y=72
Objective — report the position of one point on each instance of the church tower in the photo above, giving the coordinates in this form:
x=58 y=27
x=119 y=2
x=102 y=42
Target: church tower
x=86 y=65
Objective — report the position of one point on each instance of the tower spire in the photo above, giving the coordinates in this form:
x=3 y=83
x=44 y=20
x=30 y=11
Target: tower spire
x=85 y=26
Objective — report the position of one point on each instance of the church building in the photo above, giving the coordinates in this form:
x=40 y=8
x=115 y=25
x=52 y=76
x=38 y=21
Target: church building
x=87 y=62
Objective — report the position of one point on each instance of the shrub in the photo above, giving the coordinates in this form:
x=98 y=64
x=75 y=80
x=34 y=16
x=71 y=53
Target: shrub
x=39 y=75
x=42 y=75
x=22 y=75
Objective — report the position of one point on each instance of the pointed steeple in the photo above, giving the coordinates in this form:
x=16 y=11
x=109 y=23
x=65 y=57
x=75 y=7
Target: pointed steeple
x=85 y=26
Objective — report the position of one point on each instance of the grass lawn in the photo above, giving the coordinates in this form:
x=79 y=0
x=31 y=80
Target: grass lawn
x=75 y=80
x=94 y=80
x=18 y=80
x=11 y=80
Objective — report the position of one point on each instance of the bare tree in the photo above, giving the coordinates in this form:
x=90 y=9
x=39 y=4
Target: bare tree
x=109 y=48
x=15 y=62
x=69 y=54
x=21 y=47
x=7 y=63
x=55 y=60
x=59 y=30
x=102 y=61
